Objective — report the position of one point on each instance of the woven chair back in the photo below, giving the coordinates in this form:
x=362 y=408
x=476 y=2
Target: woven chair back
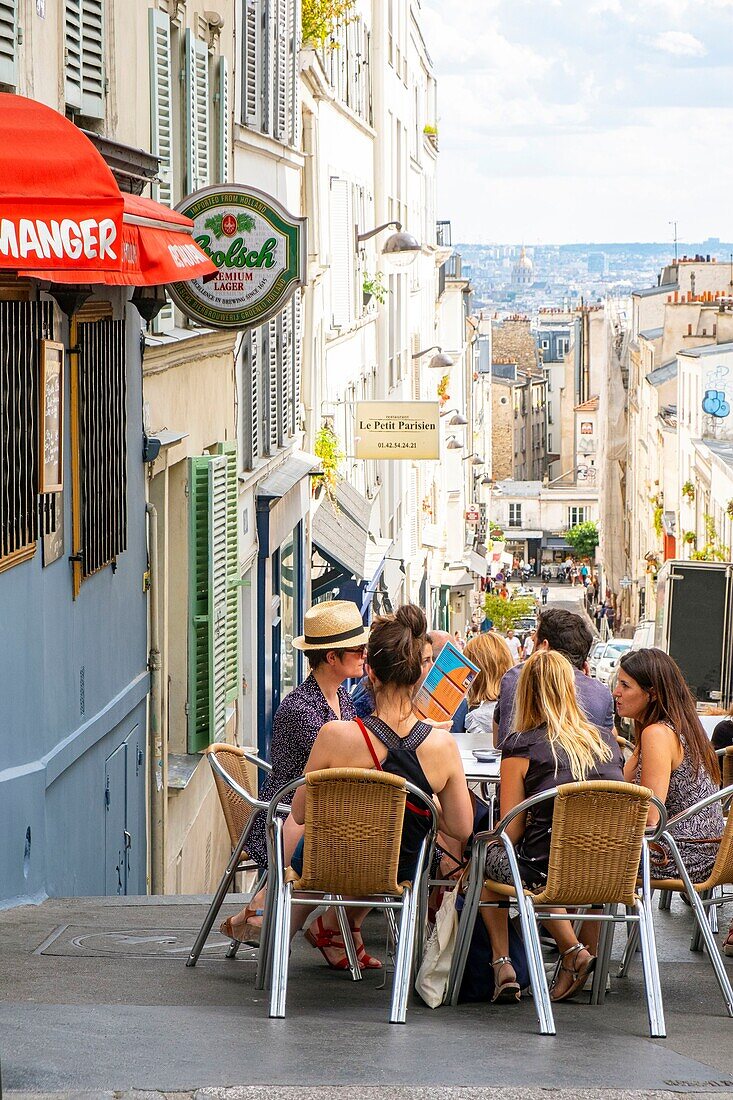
x=353 y=828
x=727 y=763
x=236 y=811
x=722 y=872
x=597 y=833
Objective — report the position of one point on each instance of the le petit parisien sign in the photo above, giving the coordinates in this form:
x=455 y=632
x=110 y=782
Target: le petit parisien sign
x=258 y=248
x=397 y=429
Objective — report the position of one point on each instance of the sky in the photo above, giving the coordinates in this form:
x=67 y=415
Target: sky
x=583 y=120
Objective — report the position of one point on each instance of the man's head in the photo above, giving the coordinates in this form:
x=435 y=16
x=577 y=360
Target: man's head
x=565 y=632
x=510 y=633
x=437 y=639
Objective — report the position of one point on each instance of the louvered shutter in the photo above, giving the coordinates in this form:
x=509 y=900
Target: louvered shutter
x=342 y=254
x=161 y=125
x=415 y=364
x=8 y=42
x=255 y=344
x=72 y=53
x=92 y=58
x=269 y=63
x=207 y=581
x=197 y=113
x=413 y=514
x=223 y=120
x=297 y=357
x=229 y=450
x=252 y=68
x=272 y=385
x=281 y=59
x=286 y=376
x=294 y=35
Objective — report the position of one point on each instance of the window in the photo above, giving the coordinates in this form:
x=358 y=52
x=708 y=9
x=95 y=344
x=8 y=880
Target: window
x=515 y=515
x=99 y=444
x=196 y=113
x=84 y=79
x=342 y=253
x=9 y=42
x=270 y=84
x=22 y=327
x=576 y=515
x=346 y=61
x=270 y=382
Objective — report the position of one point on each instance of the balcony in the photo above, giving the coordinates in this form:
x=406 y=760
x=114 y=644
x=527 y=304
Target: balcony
x=443 y=235
x=453 y=266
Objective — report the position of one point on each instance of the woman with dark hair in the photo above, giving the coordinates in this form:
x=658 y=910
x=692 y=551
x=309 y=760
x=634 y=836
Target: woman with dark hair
x=391 y=740
x=672 y=756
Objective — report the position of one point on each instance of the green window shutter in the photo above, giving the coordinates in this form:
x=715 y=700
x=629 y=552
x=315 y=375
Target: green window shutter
x=207 y=601
x=229 y=450
x=92 y=58
x=197 y=113
x=8 y=42
x=223 y=120
x=72 y=53
x=252 y=68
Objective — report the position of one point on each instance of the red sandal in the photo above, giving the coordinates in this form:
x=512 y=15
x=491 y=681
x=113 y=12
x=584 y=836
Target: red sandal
x=324 y=938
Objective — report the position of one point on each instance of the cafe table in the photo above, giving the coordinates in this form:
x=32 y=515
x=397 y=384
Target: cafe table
x=479 y=773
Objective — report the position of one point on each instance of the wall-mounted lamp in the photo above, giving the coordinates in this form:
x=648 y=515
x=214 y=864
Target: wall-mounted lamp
x=400 y=248
x=441 y=361
x=453 y=444
x=69 y=298
x=402 y=564
x=457 y=421
x=476 y=459
x=148 y=301
x=487 y=481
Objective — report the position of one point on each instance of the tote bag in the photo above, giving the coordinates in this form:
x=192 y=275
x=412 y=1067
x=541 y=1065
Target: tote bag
x=432 y=977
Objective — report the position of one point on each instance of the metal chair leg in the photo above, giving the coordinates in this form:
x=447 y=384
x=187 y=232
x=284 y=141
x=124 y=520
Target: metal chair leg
x=603 y=963
x=717 y=892
x=706 y=935
x=469 y=916
x=650 y=964
x=403 y=960
x=632 y=943
x=216 y=902
x=696 y=940
x=264 y=955
x=349 y=945
x=540 y=991
x=665 y=899
x=281 y=952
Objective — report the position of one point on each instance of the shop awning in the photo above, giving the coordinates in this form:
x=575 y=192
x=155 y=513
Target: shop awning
x=457 y=578
x=340 y=534
x=60 y=207
x=157 y=248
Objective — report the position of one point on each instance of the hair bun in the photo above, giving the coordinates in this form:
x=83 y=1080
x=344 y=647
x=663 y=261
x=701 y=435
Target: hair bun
x=413 y=618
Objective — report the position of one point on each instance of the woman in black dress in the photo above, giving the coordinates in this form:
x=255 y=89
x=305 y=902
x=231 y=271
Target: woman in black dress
x=553 y=743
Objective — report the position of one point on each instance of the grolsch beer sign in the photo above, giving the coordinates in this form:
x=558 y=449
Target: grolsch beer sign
x=259 y=250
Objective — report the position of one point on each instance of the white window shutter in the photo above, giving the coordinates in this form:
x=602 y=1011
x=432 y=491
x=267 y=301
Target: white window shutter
x=161 y=125
x=412 y=506
x=252 y=67
x=92 y=58
x=223 y=128
x=8 y=42
x=282 y=83
x=72 y=53
x=269 y=55
x=297 y=358
x=342 y=254
x=294 y=36
x=286 y=376
x=197 y=113
x=272 y=385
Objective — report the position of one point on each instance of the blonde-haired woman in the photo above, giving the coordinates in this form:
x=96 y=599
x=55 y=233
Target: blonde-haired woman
x=553 y=743
x=491 y=653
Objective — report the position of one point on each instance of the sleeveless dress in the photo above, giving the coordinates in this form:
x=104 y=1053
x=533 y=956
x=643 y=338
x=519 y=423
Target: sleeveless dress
x=401 y=759
x=697 y=838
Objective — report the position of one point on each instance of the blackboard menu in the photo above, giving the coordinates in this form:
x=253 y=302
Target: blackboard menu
x=51 y=418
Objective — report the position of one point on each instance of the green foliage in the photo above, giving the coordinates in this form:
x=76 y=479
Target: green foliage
x=374 y=285
x=430 y=130
x=245 y=224
x=497 y=535
x=319 y=19
x=443 y=394
x=583 y=538
x=729 y=509
x=689 y=537
x=505 y=614
x=688 y=490
x=328 y=449
x=657 y=503
x=712 y=550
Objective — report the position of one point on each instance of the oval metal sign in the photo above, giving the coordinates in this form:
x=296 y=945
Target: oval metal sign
x=259 y=250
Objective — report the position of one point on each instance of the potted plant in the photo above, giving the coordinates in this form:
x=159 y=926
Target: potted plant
x=689 y=537
x=688 y=491
x=373 y=286
x=319 y=19
x=443 y=395
x=327 y=448
x=431 y=133
x=729 y=509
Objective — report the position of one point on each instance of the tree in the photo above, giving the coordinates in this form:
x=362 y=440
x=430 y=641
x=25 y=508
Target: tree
x=505 y=614
x=583 y=538
x=319 y=19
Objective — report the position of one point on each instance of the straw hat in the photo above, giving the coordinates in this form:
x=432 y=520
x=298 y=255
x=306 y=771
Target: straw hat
x=335 y=624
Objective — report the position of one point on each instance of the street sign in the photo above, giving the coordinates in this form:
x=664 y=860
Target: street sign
x=258 y=248
x=472 y=515
x=397 y=429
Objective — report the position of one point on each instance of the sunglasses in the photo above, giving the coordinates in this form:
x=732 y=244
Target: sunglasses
x=360 y=650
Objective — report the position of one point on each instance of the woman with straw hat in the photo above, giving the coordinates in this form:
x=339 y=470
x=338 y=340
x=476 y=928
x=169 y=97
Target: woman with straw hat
x=334 y=641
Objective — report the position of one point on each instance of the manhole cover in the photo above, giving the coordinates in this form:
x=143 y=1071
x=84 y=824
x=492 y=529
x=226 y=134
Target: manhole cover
x=159 y=943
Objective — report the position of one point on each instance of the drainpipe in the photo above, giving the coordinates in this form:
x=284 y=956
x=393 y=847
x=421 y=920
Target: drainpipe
x=157 y=744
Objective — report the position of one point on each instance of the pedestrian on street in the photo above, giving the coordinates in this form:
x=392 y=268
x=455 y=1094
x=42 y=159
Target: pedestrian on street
x=610 y=616
x=544 y=593
x=514 y=645
x=570 y=635
x=334 y=642
x=529 y=643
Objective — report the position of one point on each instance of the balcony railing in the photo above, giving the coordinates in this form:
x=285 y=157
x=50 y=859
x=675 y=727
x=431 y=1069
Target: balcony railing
x=453 y=266
x=443 y=234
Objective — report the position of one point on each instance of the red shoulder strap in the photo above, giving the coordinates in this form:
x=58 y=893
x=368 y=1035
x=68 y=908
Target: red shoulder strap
x=370 y=746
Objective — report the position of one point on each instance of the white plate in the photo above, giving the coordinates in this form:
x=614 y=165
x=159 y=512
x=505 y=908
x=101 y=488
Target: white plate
x=487 y=756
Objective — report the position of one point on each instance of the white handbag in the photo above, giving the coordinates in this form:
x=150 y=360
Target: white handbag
x=432 y=977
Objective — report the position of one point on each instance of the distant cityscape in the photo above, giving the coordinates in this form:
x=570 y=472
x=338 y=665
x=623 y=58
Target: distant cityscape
x=521 y=279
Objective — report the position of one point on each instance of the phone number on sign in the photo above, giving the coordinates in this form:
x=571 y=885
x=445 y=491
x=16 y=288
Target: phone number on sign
x=398 y=446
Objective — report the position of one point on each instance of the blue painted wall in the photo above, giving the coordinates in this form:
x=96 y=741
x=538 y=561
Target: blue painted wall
x=55 y=738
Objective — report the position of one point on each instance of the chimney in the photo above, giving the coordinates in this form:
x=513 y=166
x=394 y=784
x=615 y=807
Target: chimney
x=689 y=330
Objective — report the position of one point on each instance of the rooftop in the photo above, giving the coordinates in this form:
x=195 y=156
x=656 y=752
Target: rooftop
x=652 y=333
x=665 y=373
x=707 y=349
x=650 y=291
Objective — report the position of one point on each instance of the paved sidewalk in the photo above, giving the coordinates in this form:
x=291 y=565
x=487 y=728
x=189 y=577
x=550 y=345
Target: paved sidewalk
x=95 y=999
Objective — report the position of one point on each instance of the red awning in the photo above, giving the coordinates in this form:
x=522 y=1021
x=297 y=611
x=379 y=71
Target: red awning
x=60 y=206
x=157 y=248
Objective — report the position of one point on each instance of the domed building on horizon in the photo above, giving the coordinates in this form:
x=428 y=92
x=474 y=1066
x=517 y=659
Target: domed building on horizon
x=523 y=270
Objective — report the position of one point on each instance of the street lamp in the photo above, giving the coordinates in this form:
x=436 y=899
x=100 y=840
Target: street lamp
x=441 y=361
x=400 y=248
x=454 y=445
x=476 y=459
x=457 y=421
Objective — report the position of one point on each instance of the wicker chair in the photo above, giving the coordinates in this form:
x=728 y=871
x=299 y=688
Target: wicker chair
x=702 y=895
x=240 y=805
x=353 y=828
x=726 y=765
x=597 y=844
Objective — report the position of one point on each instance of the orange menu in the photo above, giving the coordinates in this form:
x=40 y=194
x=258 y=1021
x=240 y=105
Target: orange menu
x=445 y=686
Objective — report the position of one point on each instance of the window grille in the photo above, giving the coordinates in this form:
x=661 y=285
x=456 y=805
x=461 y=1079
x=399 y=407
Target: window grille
x=23 y=325
x=99 y=446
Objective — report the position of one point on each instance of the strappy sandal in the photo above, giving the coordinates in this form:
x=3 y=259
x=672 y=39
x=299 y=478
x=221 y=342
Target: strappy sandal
x=728 y=945
x=330 y=938
x=580 y=977
x=366 y=962
x=505 y=992
x=249 y=934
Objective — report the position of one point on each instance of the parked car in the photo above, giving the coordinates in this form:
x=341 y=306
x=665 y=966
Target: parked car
x=643 y=635
x=612 y=654
x=595 y=655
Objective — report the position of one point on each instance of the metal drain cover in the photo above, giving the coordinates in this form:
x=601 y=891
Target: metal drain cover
x=138 y=943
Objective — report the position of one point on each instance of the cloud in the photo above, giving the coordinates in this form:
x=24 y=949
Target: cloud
x=679 y=44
